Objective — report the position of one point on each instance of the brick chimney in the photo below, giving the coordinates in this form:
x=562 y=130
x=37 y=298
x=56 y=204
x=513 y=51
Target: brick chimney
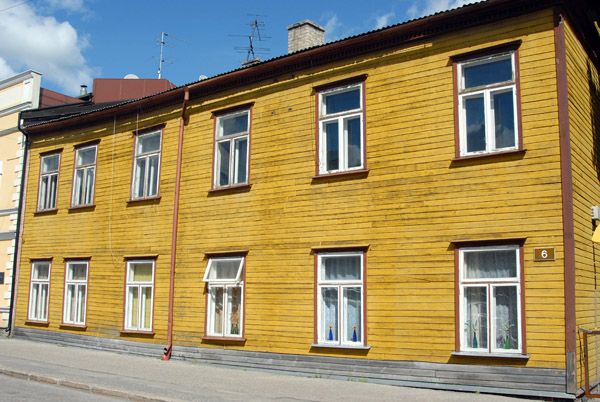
x=305 y=34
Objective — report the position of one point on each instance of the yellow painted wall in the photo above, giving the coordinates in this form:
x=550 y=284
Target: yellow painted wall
x=109 y=232
x=584 y=118
x=413 y=204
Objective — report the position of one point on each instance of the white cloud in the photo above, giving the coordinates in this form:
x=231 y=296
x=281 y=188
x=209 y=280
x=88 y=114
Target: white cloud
x=43 y=44
x=383 y=20
x=412 y=12
x=332 y=28
x=434 y=6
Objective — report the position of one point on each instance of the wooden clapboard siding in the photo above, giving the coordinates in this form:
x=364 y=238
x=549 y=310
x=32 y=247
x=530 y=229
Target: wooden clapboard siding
x=409 y=208
x=584 y=119
x=107 y=233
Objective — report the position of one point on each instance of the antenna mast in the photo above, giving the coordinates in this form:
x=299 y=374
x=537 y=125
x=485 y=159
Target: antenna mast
x=162 y=42
x=254 y=35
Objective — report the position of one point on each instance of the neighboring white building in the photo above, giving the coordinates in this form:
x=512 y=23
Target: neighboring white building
x=17 y=93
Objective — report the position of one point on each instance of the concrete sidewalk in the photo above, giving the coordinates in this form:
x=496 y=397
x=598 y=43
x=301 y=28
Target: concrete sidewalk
x=148 y=379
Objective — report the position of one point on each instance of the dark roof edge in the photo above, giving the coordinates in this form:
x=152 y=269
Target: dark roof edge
x=405 y=33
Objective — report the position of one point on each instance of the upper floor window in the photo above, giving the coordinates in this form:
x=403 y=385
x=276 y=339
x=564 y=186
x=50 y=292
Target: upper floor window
x=341 y=123
x=232 y=132
x=39 y=291
x=488 y=104
x=84 y=176
x=340 y=304
x=490 y=299
x=225 y=307
x=48 y=181
x=146 y=168
x=76 y=280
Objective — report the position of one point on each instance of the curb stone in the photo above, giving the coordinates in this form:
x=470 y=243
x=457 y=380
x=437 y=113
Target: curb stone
x=92 y=389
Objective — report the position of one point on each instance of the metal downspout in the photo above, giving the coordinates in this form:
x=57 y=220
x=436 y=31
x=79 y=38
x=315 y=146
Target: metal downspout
x=167 y=354
x=17 y=251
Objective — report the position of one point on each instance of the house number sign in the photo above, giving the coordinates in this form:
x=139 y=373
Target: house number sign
x=543 y=254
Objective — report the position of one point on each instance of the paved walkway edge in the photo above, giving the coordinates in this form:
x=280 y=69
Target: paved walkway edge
x=92 y=389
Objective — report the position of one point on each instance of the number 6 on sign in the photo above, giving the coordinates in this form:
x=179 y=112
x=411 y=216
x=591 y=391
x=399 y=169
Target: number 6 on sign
x=543 y=254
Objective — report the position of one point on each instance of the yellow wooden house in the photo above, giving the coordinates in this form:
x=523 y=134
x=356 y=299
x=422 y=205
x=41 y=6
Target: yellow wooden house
x=412 y=206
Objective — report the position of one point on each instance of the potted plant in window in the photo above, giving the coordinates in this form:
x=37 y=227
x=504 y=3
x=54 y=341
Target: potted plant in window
x=506 y=329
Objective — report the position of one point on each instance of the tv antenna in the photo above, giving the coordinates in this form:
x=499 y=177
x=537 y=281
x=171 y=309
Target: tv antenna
x=255 y=35
x=162 y=42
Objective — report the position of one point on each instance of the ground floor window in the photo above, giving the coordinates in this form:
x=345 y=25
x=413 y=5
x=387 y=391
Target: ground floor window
x=76 y=277
x=224 y=307
x=39 y=291
x=340 y=298
x=139 y=293
x=490 y=299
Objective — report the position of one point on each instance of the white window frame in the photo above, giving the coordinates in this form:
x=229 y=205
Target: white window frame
x=80 y=308
x=234 y=154
x=48 y=194
x=147 y=185
x=486 y=92
x=38 y=299
x=140 y=286
x=83 y=191
x=227 y=284
x=340 y=285
x=489 y=284
x=341 y=118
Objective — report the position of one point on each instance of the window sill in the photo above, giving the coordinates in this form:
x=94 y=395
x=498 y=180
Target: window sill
x=223 y=339
x=81 y=208
x=38 y=323
x=137 y=333
x=81 y=327
x=46 y=212
x=517 y=356
x=149 y=200
x=517 y=153
x=359 y=173
x=335 y=346
x=230 y=189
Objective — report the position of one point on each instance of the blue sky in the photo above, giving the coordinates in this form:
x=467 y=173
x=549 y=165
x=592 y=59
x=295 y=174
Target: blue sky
x=71 y=42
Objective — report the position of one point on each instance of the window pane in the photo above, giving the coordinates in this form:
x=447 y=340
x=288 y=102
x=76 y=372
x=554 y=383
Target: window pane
x=354 y=139
x=141 y=272
x=148 y=143
x=40 y=271
x=81 y=304
x=240 y=160
x=50 y=163
x=507 y=320
x=77 y=272
x=152 y=185
x=89 y=186
x=504 y=119
x=329 y=314
x=235 y=308
x=488 y=73
x=353 y=313
x=140 y=177
x=339 y=102
x=217 y=313
x=333 y=146
x=224 y=269
x=476 y=331
x=475 y=120
x=70 y=304
x=43 y=301
x=78 y=187
x=223 y=162
x=33 y=302
x=86 y=156
x=234 y=124
x=490 y=264
x=43 y=192
x=146 y=307
x=132 y=306
x=341 y=268
x=52 y=192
